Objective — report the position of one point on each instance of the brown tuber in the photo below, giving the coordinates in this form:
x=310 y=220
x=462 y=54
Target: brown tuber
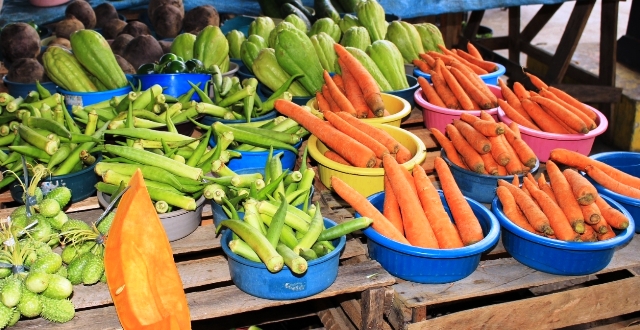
x=19 y=40
x=135 y=29
x=142 y=49
x=112 y=28
x=63 y=42
x=120 y=42
x=104 y=12
x=67 y=26
x=167 y=21
x=155 y=4
x=166 y=46
x=82 y=10
x=26 y=70
x=126 y=67
x=200 y=17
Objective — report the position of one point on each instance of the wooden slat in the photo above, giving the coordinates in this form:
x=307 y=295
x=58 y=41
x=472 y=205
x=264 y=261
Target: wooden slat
x=494 y=43
x=592 y=93
x=552 y=311
x=414 y=118
x=425 y=136
x=608 y=43
x=538 y=21
x=514 y=34
x=473 y=24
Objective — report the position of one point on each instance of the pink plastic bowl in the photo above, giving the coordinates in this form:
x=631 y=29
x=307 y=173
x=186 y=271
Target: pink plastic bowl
x=542 y=143
x=438 y=117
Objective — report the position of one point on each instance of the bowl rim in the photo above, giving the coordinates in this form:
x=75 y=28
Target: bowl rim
x=501 y=70
x=164 y=216
x=406 y=110
x=264 y=152
x=414 y=86
x=43 y=83
x=137 y=76
x=315 y=153
x=267 y=116
x=602 y=121
x=624 y=236
x=443 y=154
x=432 y=107
x=123 y=90
x=338 y=249
x=487 y=242
x=618 y=197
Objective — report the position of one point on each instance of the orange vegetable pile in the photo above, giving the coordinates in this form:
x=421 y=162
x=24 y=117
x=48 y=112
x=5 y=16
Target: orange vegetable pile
x=472 y=60
x=413 y=212
x=484 y=146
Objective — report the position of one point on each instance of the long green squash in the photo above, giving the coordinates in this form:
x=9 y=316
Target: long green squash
x=94 y=53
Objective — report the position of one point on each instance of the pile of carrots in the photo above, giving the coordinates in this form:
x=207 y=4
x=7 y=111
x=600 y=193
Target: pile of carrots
x=567 y=208
x=355 y=91
x=484 y=146
x=413 y=211
x=549 y=110
x=472 y=60
x=605 y=175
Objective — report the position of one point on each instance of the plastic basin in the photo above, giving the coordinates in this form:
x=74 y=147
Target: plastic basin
x=177 y=224
x=365 y=180
x=174 y=84
x=265 y=92
x=254 y=278
x=84 y=99
x=423 y=265
x=479 y=187
x=244 y=73
x=407 y=93
x=489 y=78
x=558 y=257
x=542 y=143
x=628 y=162
x=210 y=120
x=22 y=89
x=397 y=107
x=82 y=183
x=233 y=69
x=257 y=159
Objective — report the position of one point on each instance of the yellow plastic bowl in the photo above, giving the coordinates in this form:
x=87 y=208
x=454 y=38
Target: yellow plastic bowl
x=366 y=181
x=397 y=107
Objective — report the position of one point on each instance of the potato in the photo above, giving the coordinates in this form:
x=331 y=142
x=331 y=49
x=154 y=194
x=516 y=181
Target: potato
x=67 y=26
x=83 y=12
x=112 y=28
x=200 y=17
x=142 y=49
x=126 y=67
x=26 y=70
x=166 y=46
x=167 y=21
x=63 y=42
x=19 y=40
x=105 y=12
x=154 y=4
x=135 y=29
x=120 y=42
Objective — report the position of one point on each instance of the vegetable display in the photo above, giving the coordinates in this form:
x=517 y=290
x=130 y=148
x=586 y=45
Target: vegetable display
x=172 y=63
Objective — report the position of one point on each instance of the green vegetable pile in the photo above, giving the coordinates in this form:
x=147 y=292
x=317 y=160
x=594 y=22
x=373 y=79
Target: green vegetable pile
x=172 y=63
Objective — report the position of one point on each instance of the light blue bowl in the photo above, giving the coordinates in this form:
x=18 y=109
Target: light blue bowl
x=88 y=98
x=407 y=93
x=257 y=159
x=174 y=84
x=423 y=265
x=244 y=73
x=559 y=257
x=22 y=89
x=489 y=78
x=254 y=278
x=210 y=120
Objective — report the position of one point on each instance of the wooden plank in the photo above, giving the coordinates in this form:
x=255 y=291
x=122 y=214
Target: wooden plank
x=592 y=93
x=228 y=300
x=414 y=118
x=372 y=303
x=551 y=311
x=353 y=310
x=425 y=136
x=608 y=43
x=473 y=24
x=514 y=34
x=333 y=318
x=494 y=43
x=538 y=21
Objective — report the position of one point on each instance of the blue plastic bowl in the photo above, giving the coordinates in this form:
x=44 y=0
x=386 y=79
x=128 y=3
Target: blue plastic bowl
x=479 y=187
x=257 y=159
x=244 y=73
x=407 y=93
x=265 y=92
x=489 y=78
x=210 y=120
x=628 y=162
x=240 y=23
x=82 y=183
x=559 y=257
x=174 y=84
x=88 y=98
x=431 y=266
x=254 y=278
x=22 y=89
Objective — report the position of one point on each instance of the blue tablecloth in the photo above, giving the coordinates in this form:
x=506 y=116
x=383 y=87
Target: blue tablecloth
x=22 y=11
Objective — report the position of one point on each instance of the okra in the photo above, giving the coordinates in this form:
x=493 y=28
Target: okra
x=216 y=77
x=183 y=202
x=204 y=98
x=308 y=254
x=223 y=141
x=237 y=96
x=44 y=93
x=221 y=168
x=244 y=180
x=123 y=105
x=215 y=192
x=52 y=101
x=320 y=249
x=5 y=98
x=296 y=263
x=248 y=102
x=311 y=235
x=14 y=104
x=59 y=156
x=251 y=215
x=269 y=105
x=305 y=184
x=74 y=158
x=161 y=207
x=35 y=139
x=32 y=152
x=148 y=172
x=144 y=97
x=212 y=110
x=32 y=96
x=185 y=115
x=148 y=134
x=225 y=86
x=185 y=98
x=243 y=249
x=46 y=113
x=7 y=140
x=200 y=149
x=291 y=219
x=149 y=158
x=252 y=138
x=257 y=242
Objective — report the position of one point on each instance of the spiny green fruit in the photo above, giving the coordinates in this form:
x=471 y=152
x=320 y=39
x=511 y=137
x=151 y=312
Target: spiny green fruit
x=29 y=305
x=74 y=270
x=93 y=270
x=4 y=272
x=103 y=278
x=48 y=263
x=42 y=248
x=57 y=310
x=58 y=220
x=48 y=207
x=37 y=193
x=6 y=315
x=61 y=194
x=20 y=210
x=105 y=224
x=62 y=271
x=15 y=317
x=59 y=287
x=20 y=221
x=12 y=292
x=86 y=247
x=42 y=231
x=74 y=224
x=37 y=282
x=30 y=258
x=69 y=253
x=54 y=241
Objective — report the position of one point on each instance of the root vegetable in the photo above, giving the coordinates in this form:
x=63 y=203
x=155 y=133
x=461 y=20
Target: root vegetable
x=67 y=26
x=199 y=17
x=105 y=12
x=19 y=40
x=83 y=12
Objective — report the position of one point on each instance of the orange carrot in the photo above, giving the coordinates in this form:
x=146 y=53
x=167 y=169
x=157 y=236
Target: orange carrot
x=474 y=51
x=469 y=155
x=502 y=171
x=557 y=119
x=571 y=100
x=511 y=98
x=485 y=65
x=448 y=147
x=591 y=213
x=446 y=59
x=391 y=209
x=589 y=235
x=499 y=150
x=446 y=95
x=612 y=216
x=332 y=155
x=354 y=94
x=542 y=118
x=470 y=89
x=415 y=222
x=485 y=127
x=333 y=106
x=422 y=65
x=337 y=95
x=323 y=104
x=531 y=210
x=445 y=231
x=522 y=149
x=557 y=220
x=403 y=155
x=478 y=70
x=537 y=81
x=588 y=121
x=511 y=210
x=466 y=221
x=490 y=165
x=580 y=161
x=360 y=203
x=428 y=59
x=520 y=91
x=562 y=113
x=608 y=235
x=515 y=129
x=544 y=186
x=608 y=182
x=337 y=79
x=516 y=116
x=412 y=185
x=368 y=85
x=514 y=166
x=477 y=81
x=378 y=148
x=564 y=196
x=582 y=189
x=478 y=141
x=486 y=116
x=380 y=135
x=515 y=181
x=351 y=150
x=430 y=93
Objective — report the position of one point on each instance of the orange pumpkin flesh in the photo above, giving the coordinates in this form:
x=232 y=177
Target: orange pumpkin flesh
x=142 y=277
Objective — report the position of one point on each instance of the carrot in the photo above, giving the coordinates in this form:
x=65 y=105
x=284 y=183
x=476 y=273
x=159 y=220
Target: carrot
x=445 y=231
x=582 y=189
x=601 y=227
x=478 y=141
x=466 y=221
x=422 y=65
x=499 y=150
x=512 y=99
x=588 y=121
x=486 y=116
x=560 y=121
x=530 y=209
x=502 y=171
x=360 y=203
x=415 y=222
x=469 y=155
x=485 y=127
x=448 y=147
x=380 y=135
x=614 y=217
x=557 y=220
x=333 y=106
x=446 y=95
x=332 y=155
x=430 y=93
x=520 y=91
x=351 y=150
x=580 y=161
x=323 y=104
x=571 y=100
x=490 y=164
x=589 y=235
x=354 y=94
x=537 y=81
x=608 y=235
x=446 y=59
x=511 y=210
x=428 y=59
x=544 y=186
x=378 y=163
x=591 y=213
x=341 y=100
x=485 y=65
x=516 y=181
x=477 y=81
x=608 y=182
x=378 y=148
x=563 y=114
x=412 y=185
x=522 y=149
x=564 y=196
x=530 y=176
x=517 y=117
x=368 y=85
x=515 y=129
x=403 y=155
x=391 y=209
x=337 y=79
x=478 y=70
x=514 y=166
x=474 y=93
x=474 y=51
x=542 y=118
